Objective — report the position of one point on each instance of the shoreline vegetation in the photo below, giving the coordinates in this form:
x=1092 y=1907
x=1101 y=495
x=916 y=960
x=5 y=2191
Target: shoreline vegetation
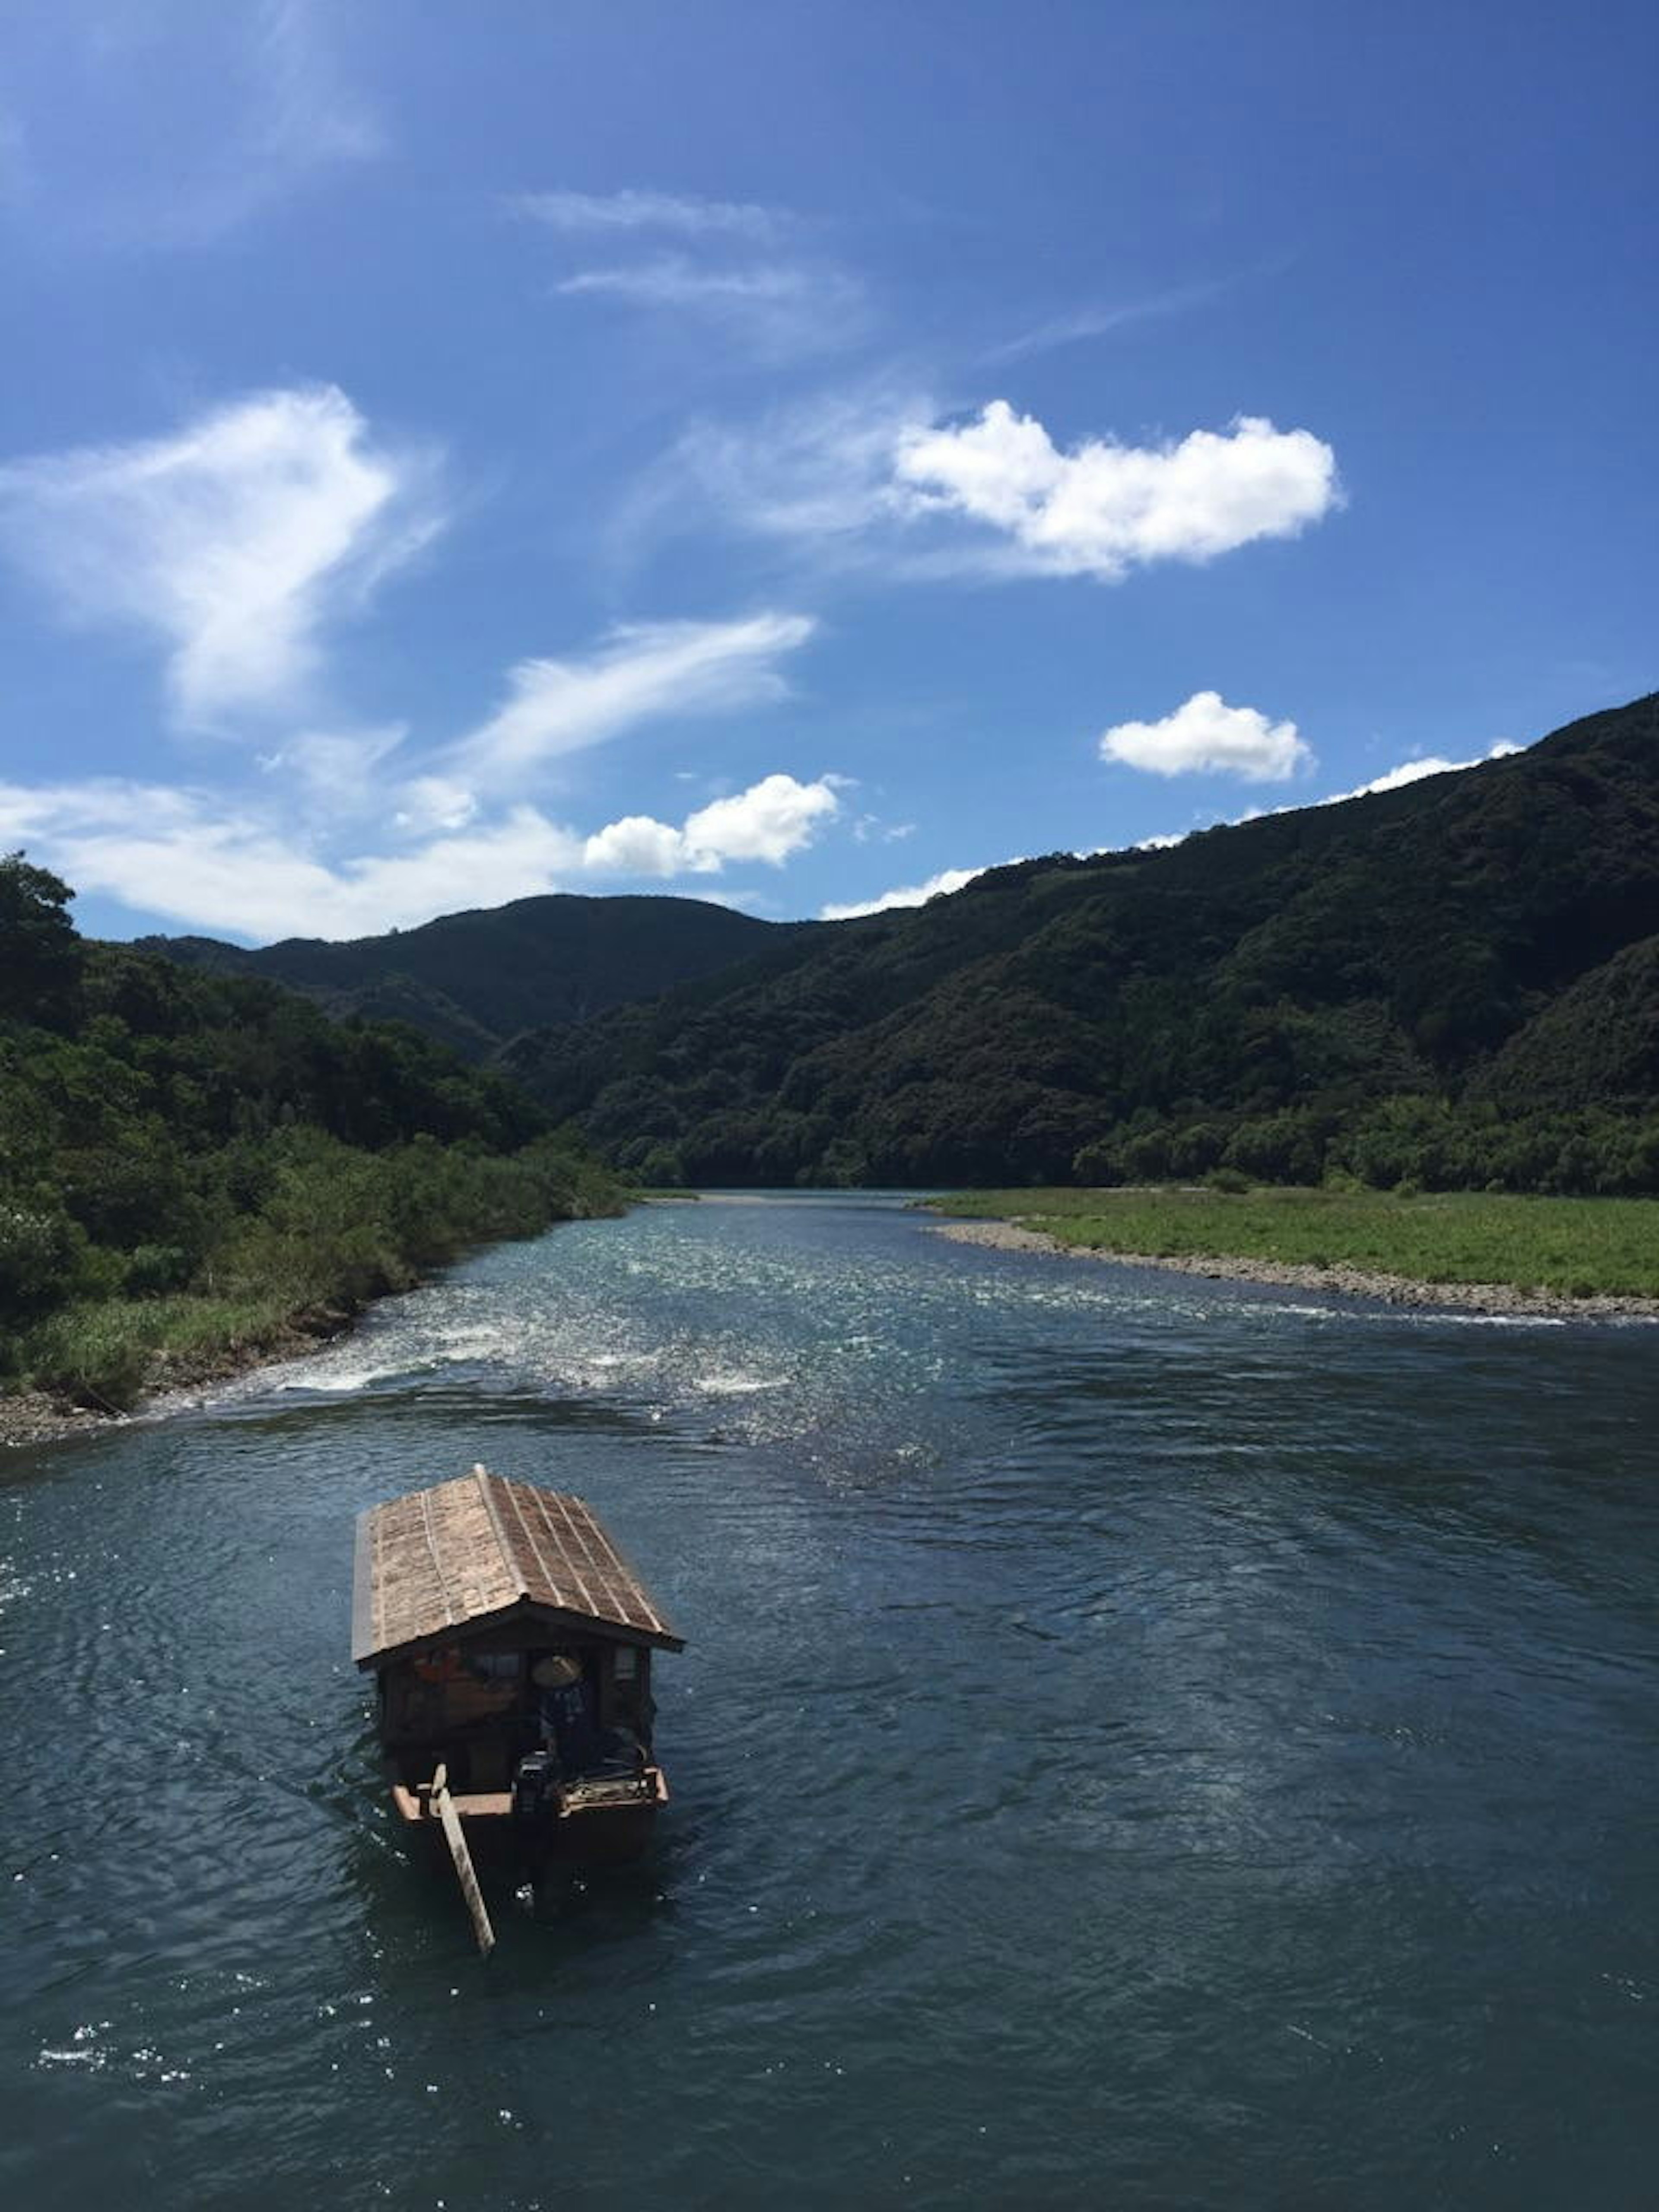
x=1581 y=1259
x=198 y=1172
x=103 y=1361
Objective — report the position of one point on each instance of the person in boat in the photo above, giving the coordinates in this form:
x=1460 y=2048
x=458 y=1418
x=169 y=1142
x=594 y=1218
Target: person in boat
x=565 y=1711
x=570 y=1726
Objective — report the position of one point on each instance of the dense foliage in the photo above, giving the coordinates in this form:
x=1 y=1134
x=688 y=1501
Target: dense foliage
x=185 y=1157
x=474 y=980
x=1455 y=982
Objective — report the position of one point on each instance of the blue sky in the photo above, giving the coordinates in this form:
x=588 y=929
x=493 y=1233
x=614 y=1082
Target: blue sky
x=794 y=455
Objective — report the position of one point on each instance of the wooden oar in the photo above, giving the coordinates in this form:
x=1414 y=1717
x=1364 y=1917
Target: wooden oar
x=462 y=1858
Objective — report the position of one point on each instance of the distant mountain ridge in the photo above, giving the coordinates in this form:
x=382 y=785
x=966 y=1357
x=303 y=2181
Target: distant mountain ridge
x=477 y=978
x=1456 y=980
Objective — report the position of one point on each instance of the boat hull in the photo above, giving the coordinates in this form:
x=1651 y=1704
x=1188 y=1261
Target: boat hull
x=607 y=1832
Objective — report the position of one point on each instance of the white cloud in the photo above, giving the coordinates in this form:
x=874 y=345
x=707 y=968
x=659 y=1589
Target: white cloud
x=939 y=886
x=339 y=771
x=1206 y=734
x=1105 y=507
x=210 y=862
x=207 y=862
x=820 y=469
x=638 y=845
x=1413 y=771
x=643 y=670
x=201 y=117
x=233 y=541
x=869 y=476
x=771 y=821
x=674 y=282
x=306 y=114
x=1098 y=321
x=633 y=210
x=776 y=309
x=952 y=879
x=768 y=822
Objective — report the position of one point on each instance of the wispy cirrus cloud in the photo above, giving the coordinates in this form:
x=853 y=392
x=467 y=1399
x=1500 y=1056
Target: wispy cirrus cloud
x=1204 y=734
x=775 y=310
x=234 y=541
x=1101 y=319
x=203 y=118
x=345 y=830
x=677 y=214
x=739 y=268
x=641 y=670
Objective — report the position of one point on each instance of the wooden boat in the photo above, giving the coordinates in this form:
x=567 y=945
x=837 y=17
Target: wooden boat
x=511 y=1645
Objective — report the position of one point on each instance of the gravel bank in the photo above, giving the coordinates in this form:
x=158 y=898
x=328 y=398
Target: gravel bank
x=1341 y=1282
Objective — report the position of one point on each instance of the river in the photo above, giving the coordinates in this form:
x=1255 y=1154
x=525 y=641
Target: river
x=1141 y=1741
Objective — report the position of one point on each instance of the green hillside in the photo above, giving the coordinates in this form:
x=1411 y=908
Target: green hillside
x=1450 y=982
x=192 y=1163
x=474 y=980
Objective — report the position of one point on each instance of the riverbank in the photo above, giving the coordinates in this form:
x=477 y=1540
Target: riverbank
x=1578 y=1259
x=174 y=1379
x=125 y=1358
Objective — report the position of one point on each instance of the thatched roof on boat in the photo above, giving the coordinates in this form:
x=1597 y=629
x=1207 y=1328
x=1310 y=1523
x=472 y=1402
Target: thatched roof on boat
x=484 y=1550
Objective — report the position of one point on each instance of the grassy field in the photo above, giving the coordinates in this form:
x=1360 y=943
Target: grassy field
x=1569 y=1247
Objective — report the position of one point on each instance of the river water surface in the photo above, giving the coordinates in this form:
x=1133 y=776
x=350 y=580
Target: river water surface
x=1140 y=1742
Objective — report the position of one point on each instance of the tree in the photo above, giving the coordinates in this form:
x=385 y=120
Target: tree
x=40 y=952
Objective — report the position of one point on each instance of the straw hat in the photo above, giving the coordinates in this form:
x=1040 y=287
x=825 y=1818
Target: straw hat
x=557 y=1672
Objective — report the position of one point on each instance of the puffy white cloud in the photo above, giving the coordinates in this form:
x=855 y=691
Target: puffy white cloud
x=634 y=211
x=643 y=670
x=869 y=477
x=771 y=821
x=638 y=845
x=1208 y=734
x=1104 y=508
x=233 y=541
x=768 y=822
x=939 y=886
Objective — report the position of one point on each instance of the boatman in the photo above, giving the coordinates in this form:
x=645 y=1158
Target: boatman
x=565 y=1710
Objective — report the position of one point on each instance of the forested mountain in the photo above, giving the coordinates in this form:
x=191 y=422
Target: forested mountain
x=1456 y=982
x=190 y=1162
x=474 y=980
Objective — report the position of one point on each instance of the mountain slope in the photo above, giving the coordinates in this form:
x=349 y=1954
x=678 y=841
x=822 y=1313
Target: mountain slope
x=1256 y=996
x=475 y=979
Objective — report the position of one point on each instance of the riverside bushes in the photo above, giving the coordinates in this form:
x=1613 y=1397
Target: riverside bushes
x=192 y=1163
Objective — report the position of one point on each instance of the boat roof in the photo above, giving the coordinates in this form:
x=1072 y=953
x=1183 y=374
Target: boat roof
x=483 y=1550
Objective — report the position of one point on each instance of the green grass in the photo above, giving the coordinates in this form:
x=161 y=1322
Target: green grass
x=1569 y=1247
